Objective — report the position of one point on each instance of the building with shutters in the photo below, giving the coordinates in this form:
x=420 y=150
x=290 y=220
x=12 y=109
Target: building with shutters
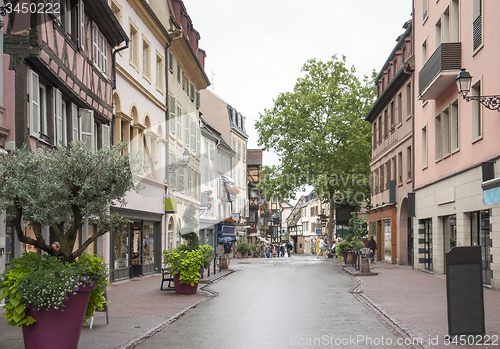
x=231 y=124
x=139 y=118
x=457 y=147
x=58 y=83
x=392 y=154
x=185 y=77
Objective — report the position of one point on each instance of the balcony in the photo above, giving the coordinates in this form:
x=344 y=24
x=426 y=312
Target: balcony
x=440 y=71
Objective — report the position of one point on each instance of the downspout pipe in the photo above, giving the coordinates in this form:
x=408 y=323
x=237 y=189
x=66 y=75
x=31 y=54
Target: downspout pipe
x=113 y=62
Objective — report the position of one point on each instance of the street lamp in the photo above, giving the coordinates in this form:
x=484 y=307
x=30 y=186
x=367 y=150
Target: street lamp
x=464 y=83
x=185 y=159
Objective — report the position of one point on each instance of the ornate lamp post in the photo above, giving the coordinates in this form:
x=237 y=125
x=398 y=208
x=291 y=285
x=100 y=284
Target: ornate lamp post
x=464 y=83
x=185 y=159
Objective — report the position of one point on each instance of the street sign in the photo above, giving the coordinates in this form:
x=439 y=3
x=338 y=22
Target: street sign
x=318 y=231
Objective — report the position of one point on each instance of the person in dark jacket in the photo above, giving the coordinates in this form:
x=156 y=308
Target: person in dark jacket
x=372 y=245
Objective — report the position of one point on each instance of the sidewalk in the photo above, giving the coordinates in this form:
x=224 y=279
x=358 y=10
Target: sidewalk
x=415 y=303
x=138 y=309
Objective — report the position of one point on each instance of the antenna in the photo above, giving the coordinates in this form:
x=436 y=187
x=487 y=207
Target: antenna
x=212 y=73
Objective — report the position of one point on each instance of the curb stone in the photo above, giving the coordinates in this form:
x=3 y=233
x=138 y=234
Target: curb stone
x=144 y=337
x=394 y=325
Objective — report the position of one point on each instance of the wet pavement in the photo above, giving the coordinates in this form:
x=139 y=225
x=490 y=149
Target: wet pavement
x=411 y=304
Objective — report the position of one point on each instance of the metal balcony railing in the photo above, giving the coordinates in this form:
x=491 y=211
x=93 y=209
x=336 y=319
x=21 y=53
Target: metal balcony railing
x=448 y=56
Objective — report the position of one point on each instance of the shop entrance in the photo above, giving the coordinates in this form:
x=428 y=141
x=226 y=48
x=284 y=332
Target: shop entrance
x=480 y=235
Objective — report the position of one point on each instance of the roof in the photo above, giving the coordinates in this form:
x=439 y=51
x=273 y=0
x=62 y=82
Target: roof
x=254 y=156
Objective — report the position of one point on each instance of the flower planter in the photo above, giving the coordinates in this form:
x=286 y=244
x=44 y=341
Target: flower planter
x=181 y=288
x=59 y=328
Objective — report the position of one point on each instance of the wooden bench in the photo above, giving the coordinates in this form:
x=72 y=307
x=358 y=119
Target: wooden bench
x=166 y=275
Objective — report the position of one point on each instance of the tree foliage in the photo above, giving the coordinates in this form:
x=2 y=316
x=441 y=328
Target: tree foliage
x=50 y=186
x=319 y=132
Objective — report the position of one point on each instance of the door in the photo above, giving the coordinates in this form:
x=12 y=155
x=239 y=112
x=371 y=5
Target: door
x=136 y=249
x=480 y=235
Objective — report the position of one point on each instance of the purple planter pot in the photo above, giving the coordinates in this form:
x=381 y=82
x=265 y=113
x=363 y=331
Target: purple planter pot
x=184 y=288
x=61 y=328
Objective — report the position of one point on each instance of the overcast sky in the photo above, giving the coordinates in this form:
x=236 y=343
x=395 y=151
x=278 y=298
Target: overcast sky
x=256 y=49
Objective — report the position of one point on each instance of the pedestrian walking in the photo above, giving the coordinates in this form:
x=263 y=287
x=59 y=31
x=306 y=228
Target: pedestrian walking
x=323 y=245
x=282 y=250
x=372 y=245
x=288 y=247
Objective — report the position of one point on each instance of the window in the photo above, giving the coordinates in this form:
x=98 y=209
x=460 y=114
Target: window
x=193 y=135
x=386 y=122
x=399 y=108
x=408 y=100
x=239 y=150
x=134 y=46
x=178 y=73
x=171 y=62
x=391 y=116
x=400 y=168
x=172 y=175
x=438 y=145
x=477 y=25
x=409 y=156
x=382 y=176
x=87 y=127
x=389 y=174
x=445 y=126
x=424 y=147
x=424 y=10
x=379 y=129
x=180 y=179
x=99 y=50
x=59 y=122
x=75 y=123
x=437 y=34
x=455 y=135
x=424 y=52
x=212 y=151
x=476 y=114
x=454 y=21
x=146 y=59
x=160 y=75
x=117 y=10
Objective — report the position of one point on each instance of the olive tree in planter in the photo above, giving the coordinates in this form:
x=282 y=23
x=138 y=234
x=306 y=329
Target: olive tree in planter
x=48 y=187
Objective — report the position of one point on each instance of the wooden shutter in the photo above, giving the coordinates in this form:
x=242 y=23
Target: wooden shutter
x=171 y=113
x=58 y=123
x=105 y=135
x=87 y=127
x=81 y=25
x=34 y=104
x=75 y=123
x=186 y=129
x=193 y=136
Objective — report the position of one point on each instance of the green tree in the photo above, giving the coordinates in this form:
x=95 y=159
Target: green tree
x=65 y=184
x=320 y=135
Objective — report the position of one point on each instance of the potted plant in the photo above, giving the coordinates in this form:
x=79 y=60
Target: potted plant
x=185 y=265
x=242 y=248
x=228 y=220
x=46 y=188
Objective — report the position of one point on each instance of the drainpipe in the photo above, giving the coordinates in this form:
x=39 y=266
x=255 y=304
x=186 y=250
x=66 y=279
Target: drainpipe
x=113 y=62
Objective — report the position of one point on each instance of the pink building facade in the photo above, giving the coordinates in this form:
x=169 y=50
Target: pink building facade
x=455 y=140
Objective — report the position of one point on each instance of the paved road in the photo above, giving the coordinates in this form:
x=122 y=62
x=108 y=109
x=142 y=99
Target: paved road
x=279 y=303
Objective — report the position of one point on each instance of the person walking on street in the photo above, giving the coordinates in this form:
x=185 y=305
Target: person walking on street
x=372 y=245
x=322 y=247
x=288 y=247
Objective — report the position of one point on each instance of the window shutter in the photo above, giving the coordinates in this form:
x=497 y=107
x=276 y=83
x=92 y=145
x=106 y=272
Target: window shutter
x=191 y=93
x=179 y=123
x=105 y=135
x=74 y=121
x=57 y=100
x=197 y=100
x=186 y=128
x=171 y=113
x=87 y=127
x=81 y=25
x=193 y=136
x=34 y=104
x=198 y=141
